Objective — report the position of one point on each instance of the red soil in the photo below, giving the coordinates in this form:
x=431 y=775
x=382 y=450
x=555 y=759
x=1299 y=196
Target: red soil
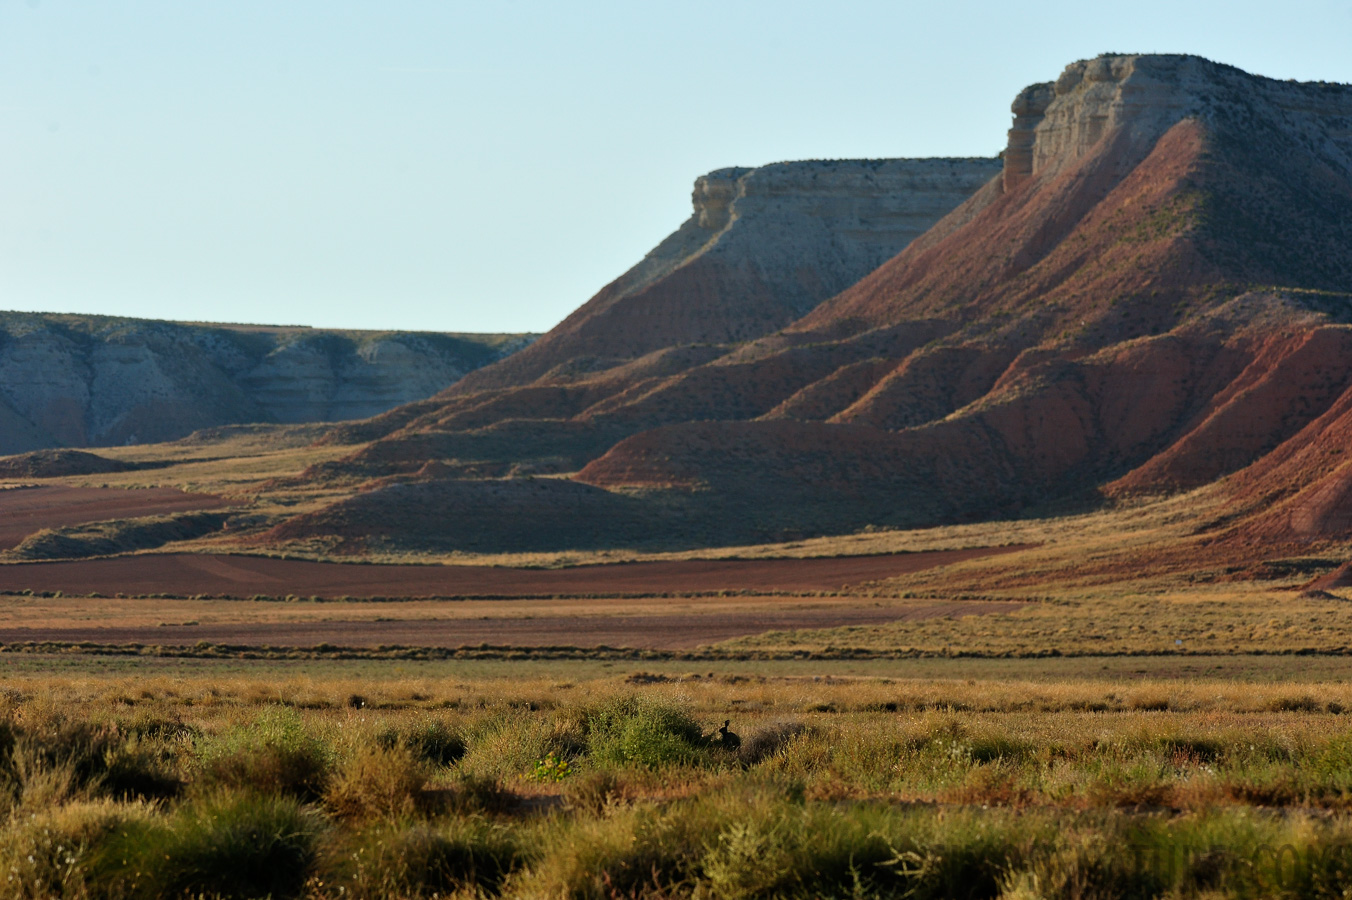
x=645 y=630
x=244 y=576
x=707 y=300
x=1289 y=381
x=24 y=511
x=928 y=385
x=1302 y=491
x=1340 y=577
x=822 y=399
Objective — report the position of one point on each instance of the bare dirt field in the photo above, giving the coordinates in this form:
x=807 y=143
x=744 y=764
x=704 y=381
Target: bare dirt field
x=25 y=510
x=245 y=576
x=651 y=623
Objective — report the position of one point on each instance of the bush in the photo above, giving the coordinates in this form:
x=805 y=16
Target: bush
x=55 y=759
x=436 y=742
x=430 y=740
x=593 y=791
x=507 y=746
x=59 y=852
x=639 y=731
x=636 y=852
x=9 y=778
x=423 y=860
x=376 y=783
x=273 y=756
x=477 y=794
x=766 y=742
x=738 y=844
x=228 y=846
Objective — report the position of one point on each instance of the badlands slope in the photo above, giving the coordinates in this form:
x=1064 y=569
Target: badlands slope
x=80 y=381
x=1155 y=299
x=1152 y=294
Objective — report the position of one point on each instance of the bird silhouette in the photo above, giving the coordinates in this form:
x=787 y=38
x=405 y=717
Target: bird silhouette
x=729 y=739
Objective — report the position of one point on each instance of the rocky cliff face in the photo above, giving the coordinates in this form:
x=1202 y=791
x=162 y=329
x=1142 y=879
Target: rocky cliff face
x=762 y=246
x=1147 y=95
x=1161 y=176
x=75 y=381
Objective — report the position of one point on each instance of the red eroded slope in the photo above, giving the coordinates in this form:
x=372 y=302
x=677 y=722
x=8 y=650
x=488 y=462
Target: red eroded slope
x=1056 y=254
x=1147 y=300
x=1301 y=492
x=1143 y=231
x=928 y=385
x=1291 y=378
x=1051 y=425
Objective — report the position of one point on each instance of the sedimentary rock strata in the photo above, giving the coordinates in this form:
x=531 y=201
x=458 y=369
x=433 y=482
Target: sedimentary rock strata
x=75 y=381
x=762 y=246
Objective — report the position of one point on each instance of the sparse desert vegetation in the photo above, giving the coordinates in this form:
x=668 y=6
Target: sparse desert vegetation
x=213 y=783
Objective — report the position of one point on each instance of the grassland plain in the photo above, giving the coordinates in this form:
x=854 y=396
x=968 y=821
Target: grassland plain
x=1147 y=720
x=931 y=778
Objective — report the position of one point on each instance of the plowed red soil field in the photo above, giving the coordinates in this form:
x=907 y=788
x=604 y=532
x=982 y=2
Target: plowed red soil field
x=663 y=623
x=650 y=625
x=245 y=576
x=24 y=511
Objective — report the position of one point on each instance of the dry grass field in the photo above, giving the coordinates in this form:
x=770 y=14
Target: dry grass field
x=1071 y=706
x=943 y=778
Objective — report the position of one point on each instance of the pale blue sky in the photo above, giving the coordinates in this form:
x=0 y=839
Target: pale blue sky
x=489 y=166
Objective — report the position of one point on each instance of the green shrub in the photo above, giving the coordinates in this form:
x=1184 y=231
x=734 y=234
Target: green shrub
x=274 y=755
x=376 y=783
x=422 y=860
x=551 y=770
x=227 y=846
x=639 y=731
x=431 y=740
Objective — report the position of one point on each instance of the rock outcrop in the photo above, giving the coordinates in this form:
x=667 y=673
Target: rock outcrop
x=1106 y=321
x=78 y=381
x=1151 y=294
x=762 y=247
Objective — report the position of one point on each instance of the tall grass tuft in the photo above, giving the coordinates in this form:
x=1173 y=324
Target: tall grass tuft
x=431 y=740
x=54 y=759
x=376 y=783
x=61 y=852
x=764 y=743
x=506 y=745
x=635 y=730
x=241 y=845
x=422 y=860
x=275 y=755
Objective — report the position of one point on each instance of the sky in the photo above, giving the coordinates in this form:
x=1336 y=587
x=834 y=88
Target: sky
x=488 y=166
